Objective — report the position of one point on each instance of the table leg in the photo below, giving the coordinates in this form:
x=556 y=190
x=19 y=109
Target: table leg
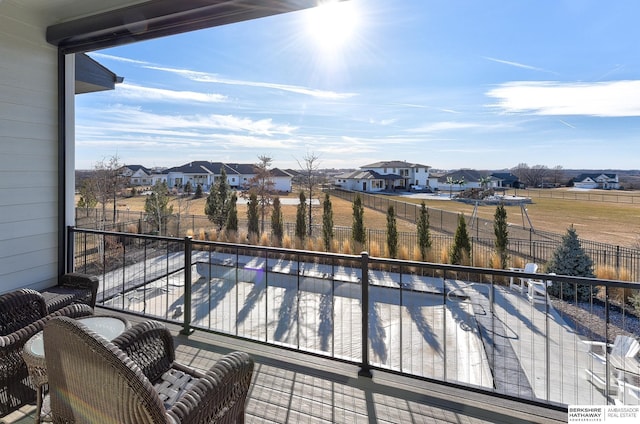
x=38 y=404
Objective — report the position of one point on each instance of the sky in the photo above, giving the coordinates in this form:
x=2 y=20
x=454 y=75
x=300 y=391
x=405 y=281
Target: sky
x=481 y=84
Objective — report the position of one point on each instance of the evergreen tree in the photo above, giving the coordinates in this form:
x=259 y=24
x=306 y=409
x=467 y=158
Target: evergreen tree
x=461 y=249
x=358 y=232
x=301 y=217
x=198 y=193
x=231 y=226
x=253 y=217
x=157 y=208
x=500 y=229
x=277 y=222
x=188 y=188
x=392 y=233
x=424 y=236
x=327 y=222
x=570 y=259
x=219 y=201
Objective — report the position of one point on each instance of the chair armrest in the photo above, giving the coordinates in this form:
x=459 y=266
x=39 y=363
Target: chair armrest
x=150 y=346
x=82 y=281
x=220 y=395
x=12 y=344
x=597 y=349
x=595 y=343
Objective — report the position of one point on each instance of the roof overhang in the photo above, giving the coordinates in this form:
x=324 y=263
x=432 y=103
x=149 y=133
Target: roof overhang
x=159 y=18
x=91 y=76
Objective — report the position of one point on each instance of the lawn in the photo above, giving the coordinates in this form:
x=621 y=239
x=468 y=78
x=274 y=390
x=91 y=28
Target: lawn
x=606 y=222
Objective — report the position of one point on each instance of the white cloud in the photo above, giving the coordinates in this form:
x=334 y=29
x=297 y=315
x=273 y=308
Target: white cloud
x=125 y=119
x=117 y=58
x=137 y=92
x=451 y=125
x=519 y=65
x=212 y=78
x=604 y=99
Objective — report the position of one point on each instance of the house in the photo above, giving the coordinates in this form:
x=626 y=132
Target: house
x=206 y=173
x=464 y=179
x=507 y=180
x=137 y=175
x=385 y=176
x=597 y=180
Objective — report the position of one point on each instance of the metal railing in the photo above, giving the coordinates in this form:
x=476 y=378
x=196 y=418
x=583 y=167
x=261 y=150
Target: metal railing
x=480 y=328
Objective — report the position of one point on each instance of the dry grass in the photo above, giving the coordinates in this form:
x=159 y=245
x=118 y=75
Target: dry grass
x=605 y=222
x=613 y=223
x=342 y=212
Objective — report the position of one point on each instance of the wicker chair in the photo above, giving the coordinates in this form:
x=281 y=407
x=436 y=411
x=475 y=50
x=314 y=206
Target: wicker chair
x=134 y=379
x=23 y=313
x=73 y=287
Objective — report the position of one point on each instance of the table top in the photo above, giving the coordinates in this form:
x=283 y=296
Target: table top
x=107 y=326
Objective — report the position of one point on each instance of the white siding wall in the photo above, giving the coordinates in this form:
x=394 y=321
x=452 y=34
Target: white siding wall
x=28 y=153
x=282 y=184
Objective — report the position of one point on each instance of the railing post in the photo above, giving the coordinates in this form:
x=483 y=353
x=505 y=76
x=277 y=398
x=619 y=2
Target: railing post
x=71 y=249
x=607 y=366
x=365 y=369
x=186 y=326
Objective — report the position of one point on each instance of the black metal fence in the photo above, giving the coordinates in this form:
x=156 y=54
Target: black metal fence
x=474 y=327
x=525 y=245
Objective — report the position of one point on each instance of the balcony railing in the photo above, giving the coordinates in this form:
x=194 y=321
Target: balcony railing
x=459 y=325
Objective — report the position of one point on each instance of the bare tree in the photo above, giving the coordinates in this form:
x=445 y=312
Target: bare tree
x=531 y=176
x=106 y=183
x=263 y=186
x=310 y=179
x=557 y=175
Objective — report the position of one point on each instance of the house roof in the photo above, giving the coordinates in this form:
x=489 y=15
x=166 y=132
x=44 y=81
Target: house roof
x=241 y=168
x=394 y=164
x=215 y=168
x=594 y=176
x=135 y=168
x=507 y=177
x=368 y=175
x=469 y=175
x=277 y=172
x=91 y=76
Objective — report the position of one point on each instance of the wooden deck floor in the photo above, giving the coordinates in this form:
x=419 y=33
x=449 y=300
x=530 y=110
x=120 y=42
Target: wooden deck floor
x=298 y=388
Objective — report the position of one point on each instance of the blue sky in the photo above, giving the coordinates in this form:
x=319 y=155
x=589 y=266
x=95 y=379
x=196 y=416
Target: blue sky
x=483 y=84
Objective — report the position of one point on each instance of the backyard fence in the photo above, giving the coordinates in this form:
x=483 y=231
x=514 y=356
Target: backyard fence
x=525 y=244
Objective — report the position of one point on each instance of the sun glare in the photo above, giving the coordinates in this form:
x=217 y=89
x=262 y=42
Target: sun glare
x=332 y=23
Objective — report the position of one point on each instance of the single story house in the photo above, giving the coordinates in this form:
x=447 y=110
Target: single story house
x=507 y=180
x=597 y=180
x=206 y=173
x=464 y=179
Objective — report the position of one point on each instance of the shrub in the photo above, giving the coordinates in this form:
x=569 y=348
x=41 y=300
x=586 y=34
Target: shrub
x=461 y=249
x=618 y=294
x=635 y=302
x=500 y=229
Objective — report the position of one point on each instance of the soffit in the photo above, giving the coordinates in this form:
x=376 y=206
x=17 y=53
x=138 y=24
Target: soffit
x=83 y=25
